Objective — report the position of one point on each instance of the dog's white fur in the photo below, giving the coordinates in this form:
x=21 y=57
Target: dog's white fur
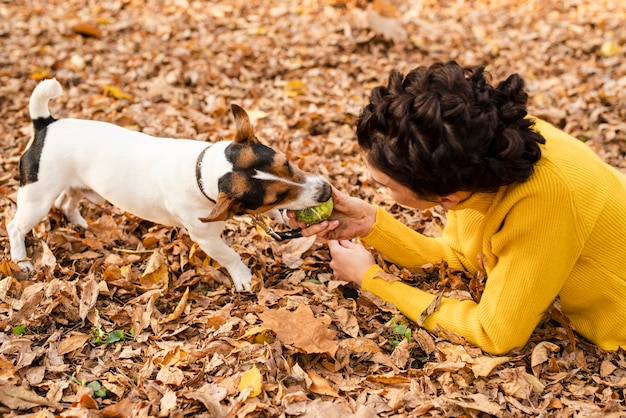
x=153 y=178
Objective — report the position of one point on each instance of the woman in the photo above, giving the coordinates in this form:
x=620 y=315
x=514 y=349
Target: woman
x=546 y=215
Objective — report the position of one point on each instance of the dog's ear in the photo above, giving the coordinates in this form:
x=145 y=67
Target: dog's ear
x=225 y=207
x=245 y=130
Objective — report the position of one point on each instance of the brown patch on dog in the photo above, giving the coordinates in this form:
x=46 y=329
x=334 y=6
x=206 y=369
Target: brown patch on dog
x=282 y=168
x=240 y=183
x=245 y=159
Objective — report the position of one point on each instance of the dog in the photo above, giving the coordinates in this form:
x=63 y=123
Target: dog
x=175 y=182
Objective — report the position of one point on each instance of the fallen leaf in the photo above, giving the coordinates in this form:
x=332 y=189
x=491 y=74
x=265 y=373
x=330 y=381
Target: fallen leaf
x=251 y=378
x=116 y=93
x=72 y=342
x=541 y=354
x=482 y=366
x=20 y=398
x=88 y=297
x=320 y=385
x=301 y=329
x=295 y=87
x=180 y=308
x=86 y=29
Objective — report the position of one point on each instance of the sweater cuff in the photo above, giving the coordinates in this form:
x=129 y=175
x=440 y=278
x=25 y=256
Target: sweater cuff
x=370 y=273
x=409 y=300
x=380 y=216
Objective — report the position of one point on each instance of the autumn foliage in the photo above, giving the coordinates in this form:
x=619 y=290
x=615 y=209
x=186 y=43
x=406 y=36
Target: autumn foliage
x=129 y=318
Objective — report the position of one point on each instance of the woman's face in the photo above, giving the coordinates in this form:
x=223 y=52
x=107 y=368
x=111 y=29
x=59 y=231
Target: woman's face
x=405 y=196
x=400 y=193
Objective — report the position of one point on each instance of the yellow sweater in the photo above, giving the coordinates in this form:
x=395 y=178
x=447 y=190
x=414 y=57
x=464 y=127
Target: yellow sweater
x=561 y=233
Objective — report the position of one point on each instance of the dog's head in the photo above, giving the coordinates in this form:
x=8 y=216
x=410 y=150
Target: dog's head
x=261 y=178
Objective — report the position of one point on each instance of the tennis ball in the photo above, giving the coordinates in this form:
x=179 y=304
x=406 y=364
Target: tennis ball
x=315 y=214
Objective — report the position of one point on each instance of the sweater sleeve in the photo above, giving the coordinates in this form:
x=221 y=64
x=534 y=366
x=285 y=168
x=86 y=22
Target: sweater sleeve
x=531 y=256
x=403 y=246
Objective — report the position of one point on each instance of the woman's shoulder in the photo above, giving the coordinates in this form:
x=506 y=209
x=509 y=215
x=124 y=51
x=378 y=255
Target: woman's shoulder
x=570 y=159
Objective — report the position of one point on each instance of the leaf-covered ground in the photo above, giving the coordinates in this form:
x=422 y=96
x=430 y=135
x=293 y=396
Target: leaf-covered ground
x=129 y=318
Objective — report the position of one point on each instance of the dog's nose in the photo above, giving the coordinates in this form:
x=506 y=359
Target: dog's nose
x=325 y=192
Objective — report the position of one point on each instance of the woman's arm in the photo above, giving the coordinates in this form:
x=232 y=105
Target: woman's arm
x=529 y=260
x=403 y=246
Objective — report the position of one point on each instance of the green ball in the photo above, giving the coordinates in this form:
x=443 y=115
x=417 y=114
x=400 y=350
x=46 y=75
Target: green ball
x=315 y=214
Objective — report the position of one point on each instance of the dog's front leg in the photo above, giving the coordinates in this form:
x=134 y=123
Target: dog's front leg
x=208 y=238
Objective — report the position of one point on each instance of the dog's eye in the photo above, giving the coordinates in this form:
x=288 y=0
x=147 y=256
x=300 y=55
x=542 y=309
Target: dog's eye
x=280 y=197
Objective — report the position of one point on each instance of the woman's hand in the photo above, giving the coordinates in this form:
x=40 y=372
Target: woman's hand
x=349 y=261
x=351 y=218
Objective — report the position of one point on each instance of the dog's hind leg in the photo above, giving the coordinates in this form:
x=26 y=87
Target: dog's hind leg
x=32 y=206
x=67 y=202
x=207 y=236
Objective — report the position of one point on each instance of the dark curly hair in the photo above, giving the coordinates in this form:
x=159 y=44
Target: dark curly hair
x=444 y=128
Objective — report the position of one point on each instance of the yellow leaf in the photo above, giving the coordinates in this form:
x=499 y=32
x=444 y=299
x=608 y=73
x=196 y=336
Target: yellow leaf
x=610 y=48
x=116 y=93
x=177 y=357
x=125 y=271
x=295 y=88
x=156 y=274
x=103 y=20
x=251 y=379
x=39 y=74
x=7 y=267
x=257 y=335
x=159 y=278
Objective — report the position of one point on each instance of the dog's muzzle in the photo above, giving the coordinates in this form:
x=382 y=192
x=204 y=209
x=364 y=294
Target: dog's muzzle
x=277 y=235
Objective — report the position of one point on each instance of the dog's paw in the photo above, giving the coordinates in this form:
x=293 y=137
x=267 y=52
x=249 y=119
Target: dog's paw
x=242 y=283
x=26 y=266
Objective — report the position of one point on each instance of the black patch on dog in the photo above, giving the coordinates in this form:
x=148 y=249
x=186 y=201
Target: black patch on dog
x=241 y=186
x=249 y=156
x=29 y=162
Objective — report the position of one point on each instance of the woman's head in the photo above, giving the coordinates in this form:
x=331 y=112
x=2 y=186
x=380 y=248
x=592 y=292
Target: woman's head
x=444 y=128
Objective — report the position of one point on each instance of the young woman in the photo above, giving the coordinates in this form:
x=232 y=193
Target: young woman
x=546 y=215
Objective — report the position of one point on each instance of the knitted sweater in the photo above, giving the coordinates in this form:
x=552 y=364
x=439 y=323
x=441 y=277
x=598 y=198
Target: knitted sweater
x=560 y=233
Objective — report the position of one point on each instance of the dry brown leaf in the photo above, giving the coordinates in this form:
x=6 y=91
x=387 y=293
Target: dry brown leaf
x=541 y=354
x=320 y=385
x=120 y=409
x=20 y=398
x=432 y=307
x=88 y=297
x=482 y=366
x=180 y=308
x=210 y=395
x=301 y=329
x=479 y=402
x=72 y=342
x=86 y=29
x=304 y=70
x=515 y=382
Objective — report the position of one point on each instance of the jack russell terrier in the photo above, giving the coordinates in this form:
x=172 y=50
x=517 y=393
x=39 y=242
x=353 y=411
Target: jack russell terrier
x=185 y=183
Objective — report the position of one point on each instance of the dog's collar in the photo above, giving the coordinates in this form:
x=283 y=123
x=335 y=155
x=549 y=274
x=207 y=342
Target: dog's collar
x=199 y=174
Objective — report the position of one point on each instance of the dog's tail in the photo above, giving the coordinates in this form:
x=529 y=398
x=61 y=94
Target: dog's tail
x=46 y=90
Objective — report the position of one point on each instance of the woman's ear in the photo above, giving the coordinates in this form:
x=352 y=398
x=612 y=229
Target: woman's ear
x=453 y=199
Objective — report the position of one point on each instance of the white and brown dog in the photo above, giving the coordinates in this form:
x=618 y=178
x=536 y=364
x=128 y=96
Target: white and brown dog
x=185 y=183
